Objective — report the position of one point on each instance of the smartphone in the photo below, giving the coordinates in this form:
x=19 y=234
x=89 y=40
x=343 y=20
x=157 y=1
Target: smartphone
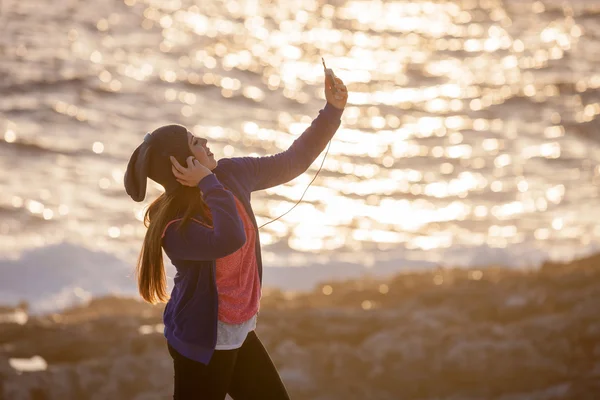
x=329 y=73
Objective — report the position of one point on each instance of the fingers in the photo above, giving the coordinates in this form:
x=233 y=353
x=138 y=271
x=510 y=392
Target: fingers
x=329 y=83
x=181 y=173
x=329 y=78
x=335 y=85
x=342 y=92
x=176 y=164
x=178 y=175
x=190 y=162
x=339 y=85
x=176 y=168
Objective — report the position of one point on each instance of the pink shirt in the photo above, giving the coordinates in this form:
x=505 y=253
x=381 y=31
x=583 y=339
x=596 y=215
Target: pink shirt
x=238 y=283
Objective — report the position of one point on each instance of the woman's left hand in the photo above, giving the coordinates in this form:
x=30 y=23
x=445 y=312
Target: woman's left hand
x=336 y=92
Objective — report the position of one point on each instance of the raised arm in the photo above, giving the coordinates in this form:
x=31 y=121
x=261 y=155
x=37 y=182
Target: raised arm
x=265 y=172
x=201 y=242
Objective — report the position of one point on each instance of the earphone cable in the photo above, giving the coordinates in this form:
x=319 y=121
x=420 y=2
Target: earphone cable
x=301 y=197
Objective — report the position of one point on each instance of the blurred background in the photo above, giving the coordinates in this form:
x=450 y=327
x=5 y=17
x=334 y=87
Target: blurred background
x=470 y=140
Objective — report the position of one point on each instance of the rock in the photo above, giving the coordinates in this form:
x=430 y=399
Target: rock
x=516 y=300
x=297 y=378
x=394 y=344
x=294 y=363
x=509 y=335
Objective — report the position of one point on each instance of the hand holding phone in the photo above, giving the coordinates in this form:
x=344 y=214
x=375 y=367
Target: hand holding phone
x=336 y=92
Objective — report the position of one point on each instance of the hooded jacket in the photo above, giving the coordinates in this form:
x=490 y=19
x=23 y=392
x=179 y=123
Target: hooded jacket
x=190 y=316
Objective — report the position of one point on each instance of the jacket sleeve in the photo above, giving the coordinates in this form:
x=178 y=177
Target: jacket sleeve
x=265 y=172
x=200 y=242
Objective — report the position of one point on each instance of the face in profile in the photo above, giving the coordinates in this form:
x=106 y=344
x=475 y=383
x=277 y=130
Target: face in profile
x=198 y=147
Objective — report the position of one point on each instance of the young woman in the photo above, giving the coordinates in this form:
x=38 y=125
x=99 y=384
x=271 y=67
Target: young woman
x=206 y=226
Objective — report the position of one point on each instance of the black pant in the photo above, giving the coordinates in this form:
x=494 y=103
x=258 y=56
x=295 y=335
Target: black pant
x=246 y=373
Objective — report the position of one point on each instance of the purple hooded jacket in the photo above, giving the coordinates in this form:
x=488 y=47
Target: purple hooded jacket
x=190 y=315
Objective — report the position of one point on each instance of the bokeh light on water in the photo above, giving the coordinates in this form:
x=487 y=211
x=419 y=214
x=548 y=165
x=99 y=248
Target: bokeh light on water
x=470 y=131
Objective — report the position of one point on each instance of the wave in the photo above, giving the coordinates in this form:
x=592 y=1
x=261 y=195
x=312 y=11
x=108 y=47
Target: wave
x=58 y=276
x=26 y=148
x=30 y=148
x=49 y=84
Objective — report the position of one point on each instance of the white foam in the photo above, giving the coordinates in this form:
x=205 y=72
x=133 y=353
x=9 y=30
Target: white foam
x=35 y=363
x=57 y=276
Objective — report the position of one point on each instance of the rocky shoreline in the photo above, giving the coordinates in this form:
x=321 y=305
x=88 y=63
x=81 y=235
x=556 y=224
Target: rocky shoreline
x=447 y=334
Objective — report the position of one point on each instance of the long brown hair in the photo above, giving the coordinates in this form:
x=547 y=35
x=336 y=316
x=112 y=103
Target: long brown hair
x=185 y=202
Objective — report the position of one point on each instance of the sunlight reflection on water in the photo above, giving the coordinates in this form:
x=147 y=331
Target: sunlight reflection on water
x=468 y=122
